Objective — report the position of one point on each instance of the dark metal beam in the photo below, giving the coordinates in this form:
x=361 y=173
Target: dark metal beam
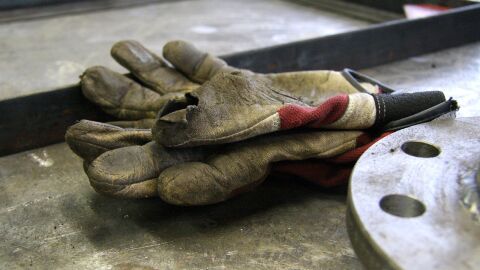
x=41 y=119
x=375 y=45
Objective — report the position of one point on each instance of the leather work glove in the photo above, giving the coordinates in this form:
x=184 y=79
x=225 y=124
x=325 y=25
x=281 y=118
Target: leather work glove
x=155 y=83
x=231 y=106
x=124 y=162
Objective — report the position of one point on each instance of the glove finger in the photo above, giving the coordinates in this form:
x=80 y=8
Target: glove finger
x=119 y=95
x=89 y=139
x=126 y=172
x=149 y=68
x=195 y=64
x=243 y=165
x=130 y=171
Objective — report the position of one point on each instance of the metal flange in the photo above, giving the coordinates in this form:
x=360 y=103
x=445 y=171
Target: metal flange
x=414 y=198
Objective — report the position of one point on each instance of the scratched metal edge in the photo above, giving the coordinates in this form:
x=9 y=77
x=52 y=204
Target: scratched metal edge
x=41 y=119
x=366 y=250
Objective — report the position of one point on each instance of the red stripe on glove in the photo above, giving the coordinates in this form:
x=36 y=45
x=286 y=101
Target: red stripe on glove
x=292 y=116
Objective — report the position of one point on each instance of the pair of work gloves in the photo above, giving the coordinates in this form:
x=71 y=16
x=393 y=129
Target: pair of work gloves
x=196 y=131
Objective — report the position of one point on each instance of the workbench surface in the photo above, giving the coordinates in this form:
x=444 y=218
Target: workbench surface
x=51 y=218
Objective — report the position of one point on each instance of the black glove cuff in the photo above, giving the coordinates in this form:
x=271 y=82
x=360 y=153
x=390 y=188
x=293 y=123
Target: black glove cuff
x=395 y=111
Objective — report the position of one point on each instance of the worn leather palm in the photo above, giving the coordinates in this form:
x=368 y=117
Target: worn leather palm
x=202 y=104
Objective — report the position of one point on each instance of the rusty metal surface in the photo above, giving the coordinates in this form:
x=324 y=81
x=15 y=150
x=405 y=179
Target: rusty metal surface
x=407 y=198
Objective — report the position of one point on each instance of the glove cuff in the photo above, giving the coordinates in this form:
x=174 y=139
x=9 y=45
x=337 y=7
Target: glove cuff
x=403 y=110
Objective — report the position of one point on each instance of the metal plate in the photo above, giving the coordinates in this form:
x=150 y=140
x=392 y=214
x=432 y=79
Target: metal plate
x=413 y=198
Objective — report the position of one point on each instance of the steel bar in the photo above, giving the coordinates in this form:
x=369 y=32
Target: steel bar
x=373 y=46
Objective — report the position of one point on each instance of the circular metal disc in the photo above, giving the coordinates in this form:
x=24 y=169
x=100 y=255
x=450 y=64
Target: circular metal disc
x=413 y=198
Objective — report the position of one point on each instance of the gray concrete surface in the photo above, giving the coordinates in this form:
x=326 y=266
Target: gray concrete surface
x=45 y=54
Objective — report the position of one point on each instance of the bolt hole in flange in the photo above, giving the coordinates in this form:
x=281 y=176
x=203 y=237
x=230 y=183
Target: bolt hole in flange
x=402 y=206
x=420 y=149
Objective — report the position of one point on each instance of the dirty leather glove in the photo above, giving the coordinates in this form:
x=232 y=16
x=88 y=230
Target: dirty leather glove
x=233 y=105
x=154 y=83
x=135 y=99
x=236 y=106
x=123 y=162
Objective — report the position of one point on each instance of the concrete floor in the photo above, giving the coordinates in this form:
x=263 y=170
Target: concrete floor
x=51 y=218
